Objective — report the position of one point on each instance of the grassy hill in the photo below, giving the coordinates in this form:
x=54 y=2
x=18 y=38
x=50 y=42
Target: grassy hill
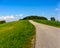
x=18 y=34
x=52 y=23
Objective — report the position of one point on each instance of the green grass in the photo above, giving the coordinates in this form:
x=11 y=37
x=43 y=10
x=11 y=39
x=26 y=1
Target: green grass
x=16 y=34
x=52 y=23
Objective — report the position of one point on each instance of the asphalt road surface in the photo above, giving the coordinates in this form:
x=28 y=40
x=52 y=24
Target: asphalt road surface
x=46 y=36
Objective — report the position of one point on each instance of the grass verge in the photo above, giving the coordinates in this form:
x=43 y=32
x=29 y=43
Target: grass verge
x=52 y=23
x=18 y=34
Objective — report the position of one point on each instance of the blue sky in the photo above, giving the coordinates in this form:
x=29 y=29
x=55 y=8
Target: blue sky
x=16 y=9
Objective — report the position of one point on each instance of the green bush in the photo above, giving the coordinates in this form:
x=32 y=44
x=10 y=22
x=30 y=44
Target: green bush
x=3 y=21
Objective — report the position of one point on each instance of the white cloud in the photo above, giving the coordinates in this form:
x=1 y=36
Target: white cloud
x=6 y=17
x=11 y=17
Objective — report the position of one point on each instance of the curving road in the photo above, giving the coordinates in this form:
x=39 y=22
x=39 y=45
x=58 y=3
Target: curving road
x=46 y=36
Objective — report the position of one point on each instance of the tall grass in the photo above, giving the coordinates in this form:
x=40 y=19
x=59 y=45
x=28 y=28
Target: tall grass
x=52 y=23
x=16 y=34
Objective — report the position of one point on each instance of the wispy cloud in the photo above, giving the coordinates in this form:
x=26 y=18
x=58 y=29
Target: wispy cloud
x=57 y=9
x=19 y=15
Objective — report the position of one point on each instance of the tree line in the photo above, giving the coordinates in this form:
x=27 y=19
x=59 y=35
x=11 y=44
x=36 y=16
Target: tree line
x=35 y=17
x=38 y=17
x=31 y=18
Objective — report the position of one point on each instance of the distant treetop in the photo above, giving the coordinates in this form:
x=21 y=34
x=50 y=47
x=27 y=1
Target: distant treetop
x=52 y=19
x=2 y=21
x=35 y=17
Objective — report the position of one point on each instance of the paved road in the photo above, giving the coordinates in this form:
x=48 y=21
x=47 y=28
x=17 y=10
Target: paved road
x=46 y=36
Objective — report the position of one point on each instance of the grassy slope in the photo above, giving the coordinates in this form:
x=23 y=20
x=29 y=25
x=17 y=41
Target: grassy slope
x=52 y=23
x=16 y=34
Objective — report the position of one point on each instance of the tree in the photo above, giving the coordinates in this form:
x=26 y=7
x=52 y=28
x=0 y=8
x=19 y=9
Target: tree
x=3 y=21
x=52 y=19
x=35 y=17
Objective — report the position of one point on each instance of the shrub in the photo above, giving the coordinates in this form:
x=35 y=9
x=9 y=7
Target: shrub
x=52 y=19
x=3 y=21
